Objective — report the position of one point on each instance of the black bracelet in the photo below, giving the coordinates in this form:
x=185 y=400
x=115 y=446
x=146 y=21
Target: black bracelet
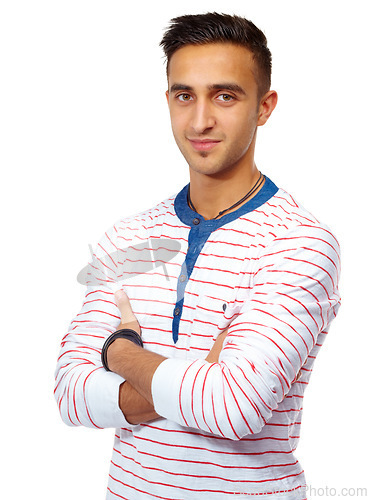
x=125 y=333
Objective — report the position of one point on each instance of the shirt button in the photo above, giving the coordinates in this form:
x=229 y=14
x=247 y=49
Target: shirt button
x=177 y=310
x=196 y=221
x=182 y=278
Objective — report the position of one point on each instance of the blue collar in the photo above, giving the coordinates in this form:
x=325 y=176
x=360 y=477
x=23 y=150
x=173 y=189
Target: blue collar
x=191 y=218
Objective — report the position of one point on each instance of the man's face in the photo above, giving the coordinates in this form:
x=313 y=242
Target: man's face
x=213 y=103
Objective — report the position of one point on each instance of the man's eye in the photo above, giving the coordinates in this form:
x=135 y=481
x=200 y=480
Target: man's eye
x=184 y=97
x=226 y=97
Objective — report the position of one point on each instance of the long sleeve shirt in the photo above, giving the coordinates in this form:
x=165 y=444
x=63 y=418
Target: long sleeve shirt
x=269 y=273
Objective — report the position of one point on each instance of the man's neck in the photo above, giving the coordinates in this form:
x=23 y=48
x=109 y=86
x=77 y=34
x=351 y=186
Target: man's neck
x=211 y=194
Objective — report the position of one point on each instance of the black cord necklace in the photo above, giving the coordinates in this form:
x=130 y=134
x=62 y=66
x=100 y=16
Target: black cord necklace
x=256 y=186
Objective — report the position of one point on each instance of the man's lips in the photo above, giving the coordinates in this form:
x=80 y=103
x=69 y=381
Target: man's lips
x=203 y=144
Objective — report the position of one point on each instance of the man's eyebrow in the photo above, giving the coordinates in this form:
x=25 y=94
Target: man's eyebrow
x=232 y=87
x=180 y=86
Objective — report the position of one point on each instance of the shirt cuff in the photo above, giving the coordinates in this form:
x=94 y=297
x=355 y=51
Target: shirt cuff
x=102 y=394
x=166 y=386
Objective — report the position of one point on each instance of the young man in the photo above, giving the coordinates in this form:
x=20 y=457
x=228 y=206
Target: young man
x=229 y=290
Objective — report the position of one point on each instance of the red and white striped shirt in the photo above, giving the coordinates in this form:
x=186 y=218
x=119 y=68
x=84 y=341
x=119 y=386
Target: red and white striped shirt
x=269 y=273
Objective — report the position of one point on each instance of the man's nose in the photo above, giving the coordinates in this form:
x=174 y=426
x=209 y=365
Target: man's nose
x=203 y=117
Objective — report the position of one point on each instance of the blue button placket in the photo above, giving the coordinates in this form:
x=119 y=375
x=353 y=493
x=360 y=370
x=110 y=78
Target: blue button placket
x=197 y=237
x=200 y=230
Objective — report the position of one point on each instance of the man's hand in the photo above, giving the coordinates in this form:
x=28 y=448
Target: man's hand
x=213 y=355
x=128 y=319
x=135 y=407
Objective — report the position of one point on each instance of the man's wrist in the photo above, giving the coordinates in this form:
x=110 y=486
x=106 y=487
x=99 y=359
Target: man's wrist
x=124 y=333
x=118 y=352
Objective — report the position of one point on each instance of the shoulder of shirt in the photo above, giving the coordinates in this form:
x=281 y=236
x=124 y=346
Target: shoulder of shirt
x=137 y=224
x=162 y=208
x=287 y=218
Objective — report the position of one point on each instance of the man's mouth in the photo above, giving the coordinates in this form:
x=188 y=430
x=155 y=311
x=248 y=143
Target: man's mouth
x=203 y=144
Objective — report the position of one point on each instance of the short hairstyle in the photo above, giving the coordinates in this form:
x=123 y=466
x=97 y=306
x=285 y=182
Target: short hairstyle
x=201 y=29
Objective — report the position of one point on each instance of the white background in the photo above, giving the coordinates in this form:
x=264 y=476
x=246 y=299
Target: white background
x=85 y=138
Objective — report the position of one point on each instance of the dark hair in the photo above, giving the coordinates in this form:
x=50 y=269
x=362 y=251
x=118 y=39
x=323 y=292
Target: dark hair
x=213 y=27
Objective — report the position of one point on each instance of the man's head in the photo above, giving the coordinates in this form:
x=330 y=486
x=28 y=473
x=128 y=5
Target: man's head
x=217 y=92
x=210 y=28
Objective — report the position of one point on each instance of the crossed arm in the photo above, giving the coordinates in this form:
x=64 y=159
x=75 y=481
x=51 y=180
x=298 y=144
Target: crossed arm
x=137 y=366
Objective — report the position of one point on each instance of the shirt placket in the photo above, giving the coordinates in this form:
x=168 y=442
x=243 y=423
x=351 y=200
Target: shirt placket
x=198 y=235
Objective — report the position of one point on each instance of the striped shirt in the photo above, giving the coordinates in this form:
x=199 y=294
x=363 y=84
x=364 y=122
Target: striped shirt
x=268 y=272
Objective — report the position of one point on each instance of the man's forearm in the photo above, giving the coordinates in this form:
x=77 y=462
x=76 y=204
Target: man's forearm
x=135 y=364
x=136 y=408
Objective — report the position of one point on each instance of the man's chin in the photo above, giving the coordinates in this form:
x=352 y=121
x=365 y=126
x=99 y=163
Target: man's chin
x=210 y=170
x=204 y=154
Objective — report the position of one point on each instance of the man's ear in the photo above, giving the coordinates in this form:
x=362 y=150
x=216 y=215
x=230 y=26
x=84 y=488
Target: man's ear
x=267 y=105
x=167 y=96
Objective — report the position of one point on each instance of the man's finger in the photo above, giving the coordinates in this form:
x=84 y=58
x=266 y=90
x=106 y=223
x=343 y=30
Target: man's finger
x=124 y=306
